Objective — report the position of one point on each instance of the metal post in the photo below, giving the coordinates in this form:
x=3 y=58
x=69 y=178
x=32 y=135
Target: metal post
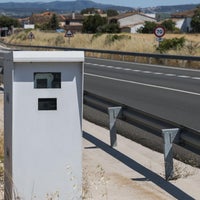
x=169 y=136
x=113 y=114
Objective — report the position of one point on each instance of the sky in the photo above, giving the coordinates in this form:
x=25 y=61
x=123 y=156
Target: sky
x=129 y=3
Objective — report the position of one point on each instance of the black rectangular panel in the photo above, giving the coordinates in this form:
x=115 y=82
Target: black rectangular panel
x=47 y=104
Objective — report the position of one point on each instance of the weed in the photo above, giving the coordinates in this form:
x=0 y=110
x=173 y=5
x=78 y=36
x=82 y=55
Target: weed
x=192 y=47
x=181 y=171
x=59 y=40
x=112 y=38
x=22 y=36
x=96 y=36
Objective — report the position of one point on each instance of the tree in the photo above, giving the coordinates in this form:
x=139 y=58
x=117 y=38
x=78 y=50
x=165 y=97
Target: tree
x=113 y=28
x=8 y=22
x=169 y=25
x=53 y=23
x=109 y=28
x=195 y=23
x=111 y=13
x=148 y=27
x=89 y=11
x=92 y=23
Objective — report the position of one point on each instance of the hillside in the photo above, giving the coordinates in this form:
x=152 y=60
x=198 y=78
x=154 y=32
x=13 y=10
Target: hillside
x=171 y=9
x=22 y=9
x=25 y=9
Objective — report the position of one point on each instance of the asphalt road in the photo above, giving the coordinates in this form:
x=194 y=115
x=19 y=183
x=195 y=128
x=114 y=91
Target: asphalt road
x=170 y=93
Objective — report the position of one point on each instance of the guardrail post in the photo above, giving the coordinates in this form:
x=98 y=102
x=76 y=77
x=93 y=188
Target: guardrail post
x=169 y=136
x=149 y=60
x=111 y=56
x=165 y=61
x=113 y=114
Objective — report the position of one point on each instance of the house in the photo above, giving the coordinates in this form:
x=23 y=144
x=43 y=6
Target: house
x=131 y=21
x=183 y=20
x=74 y=22
x=43 y=18
x=24 y=21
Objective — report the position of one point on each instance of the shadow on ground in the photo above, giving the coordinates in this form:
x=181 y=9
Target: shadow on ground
x=148 y=174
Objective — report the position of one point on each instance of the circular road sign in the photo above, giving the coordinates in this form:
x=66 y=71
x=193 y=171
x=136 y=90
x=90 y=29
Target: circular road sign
x=159 y=31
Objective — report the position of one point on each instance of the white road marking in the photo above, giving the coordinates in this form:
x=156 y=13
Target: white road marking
x=111 y=67
x=157 y=73
x=145 y=72
x=152 y=65
x=136 y=70
x=118 y=68
x=143 y=84
x=170 y=75
x=196 y=78
x=183 y=76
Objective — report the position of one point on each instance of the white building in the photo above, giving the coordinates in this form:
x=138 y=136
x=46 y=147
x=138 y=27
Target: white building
x=130 y=22
x=183 y=20
x=43 y=124
x=29 y=26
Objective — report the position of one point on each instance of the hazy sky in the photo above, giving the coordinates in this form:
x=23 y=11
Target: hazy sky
x=130 y=3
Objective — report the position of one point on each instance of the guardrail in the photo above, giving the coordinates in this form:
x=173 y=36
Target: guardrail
x=110 y=54
x=187 y=138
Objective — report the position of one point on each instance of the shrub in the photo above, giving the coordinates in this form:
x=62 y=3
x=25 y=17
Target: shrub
x=171 y=44
x=23 y=36
x=148 y=27
x=192 y=47
x=59 y=40
x=112 y=38
x=96 y=35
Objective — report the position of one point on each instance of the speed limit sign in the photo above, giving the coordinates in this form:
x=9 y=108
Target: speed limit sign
x=159 y=31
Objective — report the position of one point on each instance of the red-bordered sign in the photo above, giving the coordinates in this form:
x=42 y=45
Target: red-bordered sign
x=159 y=31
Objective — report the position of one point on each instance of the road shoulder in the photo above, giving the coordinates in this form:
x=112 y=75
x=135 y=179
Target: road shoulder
x=131 y=170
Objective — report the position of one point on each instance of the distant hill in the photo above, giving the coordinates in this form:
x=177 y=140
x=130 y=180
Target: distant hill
x=170 y=9
x=24 y=9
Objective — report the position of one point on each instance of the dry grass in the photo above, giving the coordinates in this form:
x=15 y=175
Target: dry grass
x=132 y=43
x=143 y=43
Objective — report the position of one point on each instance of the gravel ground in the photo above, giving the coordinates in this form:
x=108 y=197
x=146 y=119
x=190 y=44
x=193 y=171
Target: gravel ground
x=131 y=171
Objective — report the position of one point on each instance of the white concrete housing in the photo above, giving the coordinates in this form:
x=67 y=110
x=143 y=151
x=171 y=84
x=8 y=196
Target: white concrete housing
x=43 y=124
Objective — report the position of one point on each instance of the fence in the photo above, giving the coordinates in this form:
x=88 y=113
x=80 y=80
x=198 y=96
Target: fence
x=170 y=133
x=150 y=58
